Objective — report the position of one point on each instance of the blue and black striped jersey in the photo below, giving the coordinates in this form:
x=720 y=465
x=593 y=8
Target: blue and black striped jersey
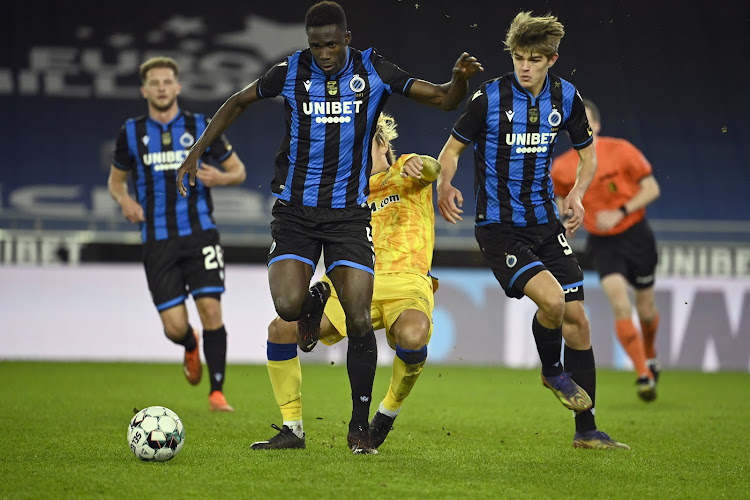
x=152 y=152
x=324 y=158
x=514 y=134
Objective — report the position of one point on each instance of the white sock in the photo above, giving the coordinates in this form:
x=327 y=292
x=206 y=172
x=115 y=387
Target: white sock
x=296 y=426
x=385 y=411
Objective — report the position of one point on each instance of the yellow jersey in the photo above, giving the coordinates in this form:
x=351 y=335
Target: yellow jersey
x=403 y=221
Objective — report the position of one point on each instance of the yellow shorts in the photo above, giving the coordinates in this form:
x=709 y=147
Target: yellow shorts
x=393 y=293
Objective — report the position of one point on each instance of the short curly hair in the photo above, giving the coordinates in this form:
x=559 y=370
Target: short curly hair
x=324 y=14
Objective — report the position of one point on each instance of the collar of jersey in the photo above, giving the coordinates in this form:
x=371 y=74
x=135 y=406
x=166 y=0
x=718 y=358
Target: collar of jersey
x=518 y=88
x=170 y=122
x=317 y=69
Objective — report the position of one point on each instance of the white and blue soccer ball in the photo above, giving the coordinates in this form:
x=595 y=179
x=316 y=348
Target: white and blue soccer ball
x=156 y=434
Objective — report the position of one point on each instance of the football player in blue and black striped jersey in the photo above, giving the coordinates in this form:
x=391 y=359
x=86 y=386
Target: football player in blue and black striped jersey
x=514 y=121
x=181 y=249
x=333 y=96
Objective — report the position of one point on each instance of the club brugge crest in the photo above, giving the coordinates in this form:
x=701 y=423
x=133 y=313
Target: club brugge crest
x=554 y=118
x=357 y=84
x=187 y=140
x=511 y=260
x=533 y=115
x=333 y=87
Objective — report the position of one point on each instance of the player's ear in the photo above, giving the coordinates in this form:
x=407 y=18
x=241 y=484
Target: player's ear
x=347 y=37
x=143 y=91
x=552 y=60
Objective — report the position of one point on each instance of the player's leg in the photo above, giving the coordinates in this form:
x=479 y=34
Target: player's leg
x=167 y=287
x=579 y=361
x=214 y=348
x=288 y=280
x=202 y=266
x=285 y=373
x=547 y=327
x=411 y=332
x=177 y=328
x=616 y=289
x=648 y=315
x=350 y=261
x=292 y=258
x=644 y=258
x=523 y=272
x=616 y=258
x=354 y=288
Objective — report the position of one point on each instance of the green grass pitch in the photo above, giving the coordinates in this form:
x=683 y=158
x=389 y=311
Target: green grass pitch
x=463 y=433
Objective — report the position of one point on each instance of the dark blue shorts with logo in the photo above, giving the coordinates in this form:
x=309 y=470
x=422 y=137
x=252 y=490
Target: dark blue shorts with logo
x=517 y=254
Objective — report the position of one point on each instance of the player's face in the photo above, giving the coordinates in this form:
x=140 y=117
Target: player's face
x=379 y=160
x=531 y=69
x=328 y=46
x=161 y=88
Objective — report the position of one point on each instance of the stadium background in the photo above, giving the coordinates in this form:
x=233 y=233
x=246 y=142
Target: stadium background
x=667 y=79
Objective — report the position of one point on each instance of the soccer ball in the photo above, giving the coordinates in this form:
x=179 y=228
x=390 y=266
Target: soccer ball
x=156 y=434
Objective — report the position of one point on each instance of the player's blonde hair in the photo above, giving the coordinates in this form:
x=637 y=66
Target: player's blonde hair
x=385 y=132
x=539 y=34
x=158 y=62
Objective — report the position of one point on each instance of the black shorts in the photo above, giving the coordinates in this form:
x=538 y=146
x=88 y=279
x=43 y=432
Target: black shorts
x=343 y=234
x=517 y=254
x=631 y=253
x=187 y=264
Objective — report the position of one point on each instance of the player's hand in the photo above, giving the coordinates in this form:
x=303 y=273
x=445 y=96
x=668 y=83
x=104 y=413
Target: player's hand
x=189 y=166
x=607 y=219
x=412 y=167
x=132 y=210
x=210 y=176
x=467 y=66
x=450 y=201
x=572 y=206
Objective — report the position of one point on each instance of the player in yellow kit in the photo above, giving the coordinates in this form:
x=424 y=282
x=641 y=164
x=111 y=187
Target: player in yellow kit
x=403 y=233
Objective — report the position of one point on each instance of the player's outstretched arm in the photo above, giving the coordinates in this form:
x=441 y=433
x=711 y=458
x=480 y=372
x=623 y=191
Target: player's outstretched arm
x=227 y=113
x=450 y=199
x=448 y=96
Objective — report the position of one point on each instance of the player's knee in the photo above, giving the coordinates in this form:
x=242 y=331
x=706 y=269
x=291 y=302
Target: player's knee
x=211 y=318
x=288 y=310
x=282 y=332
x=413 y=335
x=175 y=332
x=358 y=327
x=552 y=307
x=414 y=342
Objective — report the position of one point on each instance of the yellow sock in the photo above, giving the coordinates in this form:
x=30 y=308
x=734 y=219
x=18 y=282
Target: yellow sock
x=286 y=380
x=403 y=378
